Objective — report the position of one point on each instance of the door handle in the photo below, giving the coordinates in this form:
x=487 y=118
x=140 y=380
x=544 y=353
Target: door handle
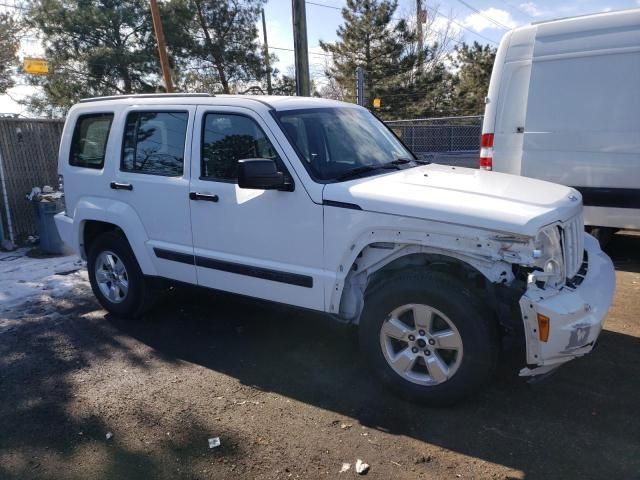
x=203 y=196
x=121 y=186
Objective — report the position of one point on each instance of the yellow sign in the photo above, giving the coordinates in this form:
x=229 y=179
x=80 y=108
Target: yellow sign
x=376 y=103
x=36 y=66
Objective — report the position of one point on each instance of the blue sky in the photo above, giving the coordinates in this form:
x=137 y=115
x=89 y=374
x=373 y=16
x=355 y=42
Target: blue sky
x=495 y=17
x=322 y=21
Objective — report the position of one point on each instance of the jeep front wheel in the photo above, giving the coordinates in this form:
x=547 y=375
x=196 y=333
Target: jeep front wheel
x=115 y=276
x=428 y=336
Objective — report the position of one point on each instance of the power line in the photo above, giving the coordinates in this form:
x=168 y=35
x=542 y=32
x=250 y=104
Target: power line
x=495 y=22
x=430 y=10
x=436 y=12
x=324 y=5
x=292 y=50
x=509 y=4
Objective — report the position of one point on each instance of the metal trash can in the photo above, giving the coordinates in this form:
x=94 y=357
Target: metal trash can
x=50 y=241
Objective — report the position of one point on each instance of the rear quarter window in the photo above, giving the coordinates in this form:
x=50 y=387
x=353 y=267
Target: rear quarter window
x=89 y=141
x=154 y=143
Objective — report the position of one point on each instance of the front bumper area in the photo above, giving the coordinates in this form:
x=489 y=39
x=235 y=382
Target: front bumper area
x=576 y=314
x=65 y=228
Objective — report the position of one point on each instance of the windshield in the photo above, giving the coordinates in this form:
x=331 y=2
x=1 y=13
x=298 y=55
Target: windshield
x=335 y=141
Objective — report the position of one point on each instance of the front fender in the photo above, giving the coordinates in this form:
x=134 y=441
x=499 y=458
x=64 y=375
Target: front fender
x=380 y=247
x=119 y=214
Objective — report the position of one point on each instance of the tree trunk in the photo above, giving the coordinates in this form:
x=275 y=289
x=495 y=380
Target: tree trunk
x=222 y=75
x=209 y=44
x=126 y=78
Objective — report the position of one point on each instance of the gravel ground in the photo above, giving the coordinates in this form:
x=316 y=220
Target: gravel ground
x=289 y=397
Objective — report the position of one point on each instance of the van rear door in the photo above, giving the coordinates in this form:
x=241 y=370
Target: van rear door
x=582 y=125
x=508 y=92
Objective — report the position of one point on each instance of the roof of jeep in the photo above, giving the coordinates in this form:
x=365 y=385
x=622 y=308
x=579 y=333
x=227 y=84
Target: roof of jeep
x=249 y=101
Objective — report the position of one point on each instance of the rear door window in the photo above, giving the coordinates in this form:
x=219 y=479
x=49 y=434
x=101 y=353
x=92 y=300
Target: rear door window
x=89 y=141
x=154 y=143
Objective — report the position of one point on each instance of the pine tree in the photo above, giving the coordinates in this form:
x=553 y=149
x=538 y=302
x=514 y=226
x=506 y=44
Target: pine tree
x=8 y=49
x=100 y=47
x=474 y=63
x=216 y=41
x=372 y=39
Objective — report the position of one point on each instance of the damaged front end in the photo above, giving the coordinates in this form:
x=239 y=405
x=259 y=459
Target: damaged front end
x=562 y=289
x=563 y=323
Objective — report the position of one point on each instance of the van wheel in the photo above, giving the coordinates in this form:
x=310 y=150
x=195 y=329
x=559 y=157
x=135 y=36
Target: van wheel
x=428 y=337
x=116 y=278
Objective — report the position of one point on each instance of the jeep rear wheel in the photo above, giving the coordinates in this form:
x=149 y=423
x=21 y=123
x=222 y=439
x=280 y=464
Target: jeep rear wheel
x=428 y=337
x=115 y=276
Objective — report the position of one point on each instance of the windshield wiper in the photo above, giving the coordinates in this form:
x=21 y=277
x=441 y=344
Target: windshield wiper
x=403 y=160
x=354 y=172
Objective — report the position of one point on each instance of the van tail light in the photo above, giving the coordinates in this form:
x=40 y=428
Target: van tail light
x=486 y=151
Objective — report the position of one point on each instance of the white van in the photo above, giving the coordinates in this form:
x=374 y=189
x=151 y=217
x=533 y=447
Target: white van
x=564 y=106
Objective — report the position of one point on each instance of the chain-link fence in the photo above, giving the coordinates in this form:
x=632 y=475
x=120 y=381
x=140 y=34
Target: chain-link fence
x=28 y=158
x=451 y=140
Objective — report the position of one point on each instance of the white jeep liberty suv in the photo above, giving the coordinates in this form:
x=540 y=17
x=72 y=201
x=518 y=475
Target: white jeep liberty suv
x=317 y=204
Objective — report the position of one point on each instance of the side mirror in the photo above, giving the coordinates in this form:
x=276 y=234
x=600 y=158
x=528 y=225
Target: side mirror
x=260 y=173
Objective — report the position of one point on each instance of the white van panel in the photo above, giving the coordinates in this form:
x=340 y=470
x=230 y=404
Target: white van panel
x=572 y=89
x=512 y=102
x=583 y=121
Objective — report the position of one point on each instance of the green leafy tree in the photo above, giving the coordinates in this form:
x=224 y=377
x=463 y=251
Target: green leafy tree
x=8 y=49
x=474 y=64
x=370 y=38
x=216 y=42
x=94 y=47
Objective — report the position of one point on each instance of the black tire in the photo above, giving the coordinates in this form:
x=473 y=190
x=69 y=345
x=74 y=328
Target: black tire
x=139 y=297
x=463 y=307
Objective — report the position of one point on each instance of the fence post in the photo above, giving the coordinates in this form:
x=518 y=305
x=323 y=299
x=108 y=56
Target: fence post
x=5 y=198
x=360 y=86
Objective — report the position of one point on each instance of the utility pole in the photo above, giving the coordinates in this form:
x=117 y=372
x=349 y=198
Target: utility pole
x=266 y=54
x=298 y=11
x=162 y=47
x=360 y=86
x=420 y=19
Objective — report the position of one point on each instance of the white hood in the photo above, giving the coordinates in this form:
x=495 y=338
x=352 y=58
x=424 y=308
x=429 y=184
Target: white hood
x=476 y=198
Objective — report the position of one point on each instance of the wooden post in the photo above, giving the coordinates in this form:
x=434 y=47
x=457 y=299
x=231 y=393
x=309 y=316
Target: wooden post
x=266 y=54
x=162 y=47
x=303 y=84
x=420 y=18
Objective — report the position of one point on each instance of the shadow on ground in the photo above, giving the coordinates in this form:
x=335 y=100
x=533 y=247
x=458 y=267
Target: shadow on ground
x=624 y=250
x=47 y=430
x=580 y=423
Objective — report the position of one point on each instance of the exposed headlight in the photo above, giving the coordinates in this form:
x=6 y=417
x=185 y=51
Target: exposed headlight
x=549 y=262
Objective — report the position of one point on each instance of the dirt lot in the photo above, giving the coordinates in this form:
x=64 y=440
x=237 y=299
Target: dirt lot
x=289 y=397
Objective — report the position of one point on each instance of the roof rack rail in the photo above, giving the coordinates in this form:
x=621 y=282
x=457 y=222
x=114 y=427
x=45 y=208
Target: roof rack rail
x=146 y=95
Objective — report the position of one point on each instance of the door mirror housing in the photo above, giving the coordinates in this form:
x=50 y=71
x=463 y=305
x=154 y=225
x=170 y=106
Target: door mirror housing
x=261 y=174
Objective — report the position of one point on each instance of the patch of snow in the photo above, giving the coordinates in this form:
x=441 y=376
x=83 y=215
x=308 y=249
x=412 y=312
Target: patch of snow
x=24 y=278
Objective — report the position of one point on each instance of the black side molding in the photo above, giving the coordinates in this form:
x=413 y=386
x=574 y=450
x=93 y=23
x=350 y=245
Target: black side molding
x=610 y=197
x=333 y=203
x=238 y=268
x=174 y=256
x=257 y=272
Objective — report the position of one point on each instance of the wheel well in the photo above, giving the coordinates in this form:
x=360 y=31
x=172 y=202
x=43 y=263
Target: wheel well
x=92 y=229
x=500 y=299
x=435 y=262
